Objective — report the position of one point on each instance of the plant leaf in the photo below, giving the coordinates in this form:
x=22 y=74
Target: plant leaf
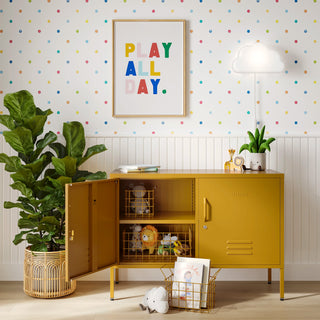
x=23 y=206
x=50 y=220
x=24 y=175
x=66 y=166
x=18 y=237
x=41 y=144
x=91 y=151
x=73 y=132
x=97 y=176
x=27 y=192
x=43 y=113
x=256 y=135
x=261 y=136
x=27 y=223
x=13 y=163
x=251 y=136
x=59 y=148
x=35 y=124
x=20 y=105
x=20 y=139
x=244 y=147
x=39 y=165
x=7 y=121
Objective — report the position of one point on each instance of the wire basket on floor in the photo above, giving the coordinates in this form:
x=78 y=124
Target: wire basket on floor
x=197 y=297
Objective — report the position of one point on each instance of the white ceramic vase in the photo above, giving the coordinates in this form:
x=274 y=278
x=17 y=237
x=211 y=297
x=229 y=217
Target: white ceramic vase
x=257 y=161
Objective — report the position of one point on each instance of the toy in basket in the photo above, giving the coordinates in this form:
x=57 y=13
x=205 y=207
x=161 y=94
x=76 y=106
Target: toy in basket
x=139 y=201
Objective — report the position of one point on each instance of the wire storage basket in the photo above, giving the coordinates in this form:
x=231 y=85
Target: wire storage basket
x=156 y=243
x=138 y=203
x=191 y=296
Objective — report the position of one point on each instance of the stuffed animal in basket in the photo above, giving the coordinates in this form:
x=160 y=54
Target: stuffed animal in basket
x=139 y=204
x=167 y=244
x=181 y=249
x=149 y=238
x=156 y=299
x=135 y=243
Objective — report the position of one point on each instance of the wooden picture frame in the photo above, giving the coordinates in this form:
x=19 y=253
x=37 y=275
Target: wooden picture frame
x=148 y=68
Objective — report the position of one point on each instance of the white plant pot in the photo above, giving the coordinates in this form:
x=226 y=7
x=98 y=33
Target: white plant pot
x=257 y=161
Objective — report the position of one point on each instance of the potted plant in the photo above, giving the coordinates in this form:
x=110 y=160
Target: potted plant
x=257 y=147
x=39 y=172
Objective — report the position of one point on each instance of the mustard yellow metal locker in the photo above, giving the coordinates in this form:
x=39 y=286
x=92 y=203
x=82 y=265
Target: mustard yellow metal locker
x=235 y=219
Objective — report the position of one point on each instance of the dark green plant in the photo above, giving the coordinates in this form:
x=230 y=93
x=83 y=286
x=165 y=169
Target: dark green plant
x=41 y=169
x=257 y=142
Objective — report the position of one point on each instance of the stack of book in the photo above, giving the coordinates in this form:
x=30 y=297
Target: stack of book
x=138 y=168
x=190 y=283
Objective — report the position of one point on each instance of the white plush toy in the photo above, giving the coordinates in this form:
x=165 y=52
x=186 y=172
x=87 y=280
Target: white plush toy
x=156 y=299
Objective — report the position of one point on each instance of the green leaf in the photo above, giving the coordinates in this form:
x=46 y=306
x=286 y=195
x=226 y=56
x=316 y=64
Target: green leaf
x=97 y=176
x=20 y=139
x=20 y=105
x=60 y=241
x=50 y=220
x=13 y=163
x=49 y=138
x=39 y=165
x=35 y=125
x=24 y=175
x=60 y=182
x=270 y=140
x=41 y=247
x=23 y=206
x=59 y=148
x=244 y=147
x=91 y=151
x=27 y=192
x=27 y=224
x=33 y=238
x=73 y=132
x=7 y=121
x=256 y=135
x=251 y=136
x=43 y=113
x=18 y=238
x=66 y=166
x=261 y=136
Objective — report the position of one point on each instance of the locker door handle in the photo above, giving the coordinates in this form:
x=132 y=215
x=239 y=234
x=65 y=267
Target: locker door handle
x=205 y=209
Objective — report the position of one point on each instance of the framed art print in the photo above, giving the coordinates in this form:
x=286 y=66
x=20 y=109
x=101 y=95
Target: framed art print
x=148 y=68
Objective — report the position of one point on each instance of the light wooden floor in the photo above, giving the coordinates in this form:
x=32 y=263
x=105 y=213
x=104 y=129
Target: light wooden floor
x=234 y=300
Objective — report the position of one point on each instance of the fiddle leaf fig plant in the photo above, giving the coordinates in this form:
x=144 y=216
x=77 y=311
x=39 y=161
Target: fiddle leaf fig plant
x=257 y=142
x=41 y=169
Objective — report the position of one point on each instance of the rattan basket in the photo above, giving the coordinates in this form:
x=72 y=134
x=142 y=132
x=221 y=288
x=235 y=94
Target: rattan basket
x=196 y=297
x=45 y=276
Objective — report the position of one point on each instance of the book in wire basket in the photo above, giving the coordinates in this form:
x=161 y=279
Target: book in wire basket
x=187 y=294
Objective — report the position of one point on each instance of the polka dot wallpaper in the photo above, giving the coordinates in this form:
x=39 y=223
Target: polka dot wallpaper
x=61 y=51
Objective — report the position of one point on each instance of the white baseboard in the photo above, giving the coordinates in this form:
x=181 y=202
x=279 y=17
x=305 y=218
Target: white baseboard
x=293 y=272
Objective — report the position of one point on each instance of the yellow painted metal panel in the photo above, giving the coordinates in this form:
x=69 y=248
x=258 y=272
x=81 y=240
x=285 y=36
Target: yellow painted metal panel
x=91 y=226
x=78 y=230
x=105 y=210
x=239 y=220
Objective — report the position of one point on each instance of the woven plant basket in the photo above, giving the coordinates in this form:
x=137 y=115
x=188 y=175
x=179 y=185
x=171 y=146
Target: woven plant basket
x=45 y=275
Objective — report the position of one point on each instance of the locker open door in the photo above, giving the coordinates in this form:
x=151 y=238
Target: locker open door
x=91 y=226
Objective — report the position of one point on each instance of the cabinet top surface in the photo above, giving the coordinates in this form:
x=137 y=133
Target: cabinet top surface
x=164 y=173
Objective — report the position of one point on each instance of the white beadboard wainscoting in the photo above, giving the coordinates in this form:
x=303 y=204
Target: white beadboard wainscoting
x=297 y=157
